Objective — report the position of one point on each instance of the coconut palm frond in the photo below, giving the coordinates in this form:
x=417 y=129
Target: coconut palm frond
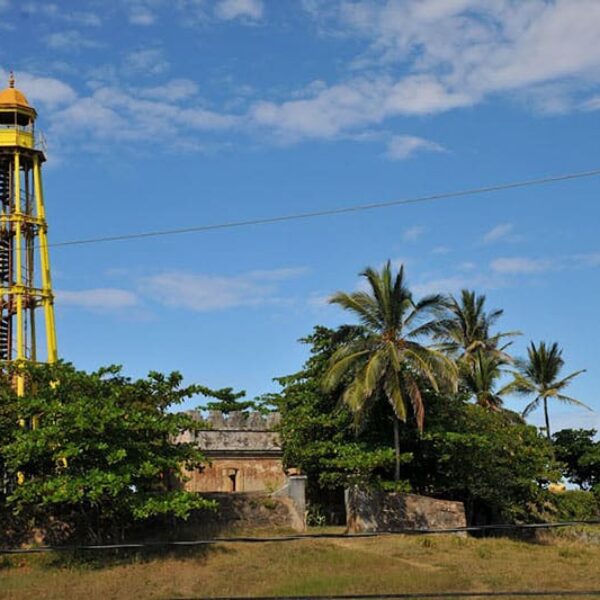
x=429 y=329
x=539 y=375
x=354 y=396
x=520 y=386
x=340 y=367
x=563 y=383
x=425 y=307
x=393 y=392
x=573 y=401
x=381 y=284
x=360 y=304
x=416 y=401
x=531 y=407
x=374 y=370
x=423 y=364
x=467 y=327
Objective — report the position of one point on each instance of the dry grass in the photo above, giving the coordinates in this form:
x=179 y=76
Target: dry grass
x=376 y=565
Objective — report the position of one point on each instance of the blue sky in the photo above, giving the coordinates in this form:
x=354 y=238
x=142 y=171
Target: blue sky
x=165 y=114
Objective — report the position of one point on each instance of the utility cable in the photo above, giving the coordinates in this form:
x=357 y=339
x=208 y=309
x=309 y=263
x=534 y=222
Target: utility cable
x=333 y=211
x=297 y=537
x=415 y=595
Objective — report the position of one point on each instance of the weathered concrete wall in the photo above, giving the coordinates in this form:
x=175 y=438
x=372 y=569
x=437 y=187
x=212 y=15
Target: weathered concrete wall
x=237 y=433
x=242 y=512
x=237 y=474
x=387 y=511
x=295 y=491
x=244 y=453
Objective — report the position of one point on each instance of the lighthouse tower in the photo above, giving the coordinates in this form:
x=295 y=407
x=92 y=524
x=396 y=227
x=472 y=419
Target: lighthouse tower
x=23 y=237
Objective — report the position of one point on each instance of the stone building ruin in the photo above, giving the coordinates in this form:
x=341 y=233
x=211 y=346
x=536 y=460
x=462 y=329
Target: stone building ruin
x=243 y=451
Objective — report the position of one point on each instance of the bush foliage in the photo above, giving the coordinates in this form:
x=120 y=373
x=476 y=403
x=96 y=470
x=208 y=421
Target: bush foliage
x=102 y=455
x=491 y=460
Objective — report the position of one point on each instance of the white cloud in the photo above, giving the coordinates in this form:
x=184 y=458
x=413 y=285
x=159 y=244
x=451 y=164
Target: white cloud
x=401 y=147
x=318 y=300
x=501 y=273
x=88 y=19
x=412 y=234
x=203 y=293
x=466 y=266
x=234 y=9
x=356 y=103
x=112 y=114
x=592 y=103
x=429 y=56
x=144 y=12
x=440 y=250
x=445 y=285
x=147 y=61
x=587 y=260
x=102 y=299
x=500 y=232
x=141 y=15
x=70 y=40
x=174 y=90
x=520 y=265
x=415 y=58
x=48 y=91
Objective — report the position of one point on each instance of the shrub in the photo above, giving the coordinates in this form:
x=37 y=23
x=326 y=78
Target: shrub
x=575 y=505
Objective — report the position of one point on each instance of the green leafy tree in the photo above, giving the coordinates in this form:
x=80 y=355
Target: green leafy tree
x=538 y=376
x=226 y=400
x=317 y=431
x=103 y=455
x=491 y=460
x=388 y=360
x=579 y=452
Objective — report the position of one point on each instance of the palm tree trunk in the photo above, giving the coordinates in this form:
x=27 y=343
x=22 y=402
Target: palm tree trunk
x=397 y=448
x=547 y=418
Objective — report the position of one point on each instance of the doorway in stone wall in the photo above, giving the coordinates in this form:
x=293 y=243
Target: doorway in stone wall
x=231 y=480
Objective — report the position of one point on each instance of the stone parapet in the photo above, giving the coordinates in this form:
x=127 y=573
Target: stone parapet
x=236 y=434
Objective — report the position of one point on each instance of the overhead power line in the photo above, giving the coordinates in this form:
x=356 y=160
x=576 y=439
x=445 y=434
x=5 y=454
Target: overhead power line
x=416 y=595
x=334 y=211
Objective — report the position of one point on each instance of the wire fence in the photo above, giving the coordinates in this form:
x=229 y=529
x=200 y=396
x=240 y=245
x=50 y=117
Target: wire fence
x=292 y=538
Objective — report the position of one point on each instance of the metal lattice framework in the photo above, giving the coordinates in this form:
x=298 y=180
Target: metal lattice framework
x=23 y=237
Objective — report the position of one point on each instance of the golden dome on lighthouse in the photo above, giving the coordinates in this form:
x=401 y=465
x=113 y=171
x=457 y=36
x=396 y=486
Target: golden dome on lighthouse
x=12 y=97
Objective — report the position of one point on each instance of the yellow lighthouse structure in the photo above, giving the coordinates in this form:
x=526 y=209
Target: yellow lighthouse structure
x=23 y=237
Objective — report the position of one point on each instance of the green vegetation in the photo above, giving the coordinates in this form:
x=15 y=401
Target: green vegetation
x=385 y=361
x=538 y=376
x=580 y=454
x=226 y=400
x=576 y=505
x=101 y=456
x=410 y=398
x=408 y=355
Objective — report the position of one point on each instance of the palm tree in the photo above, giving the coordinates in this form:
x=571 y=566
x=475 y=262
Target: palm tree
x=480 y=376
x=388 y=360
x=538 y=376
x=466 y=328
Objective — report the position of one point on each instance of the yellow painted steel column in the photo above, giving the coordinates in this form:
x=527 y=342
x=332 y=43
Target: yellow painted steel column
x=18 y=286
x=48 y=300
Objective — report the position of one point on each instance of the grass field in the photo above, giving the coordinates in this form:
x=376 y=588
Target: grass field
x=335 y=566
